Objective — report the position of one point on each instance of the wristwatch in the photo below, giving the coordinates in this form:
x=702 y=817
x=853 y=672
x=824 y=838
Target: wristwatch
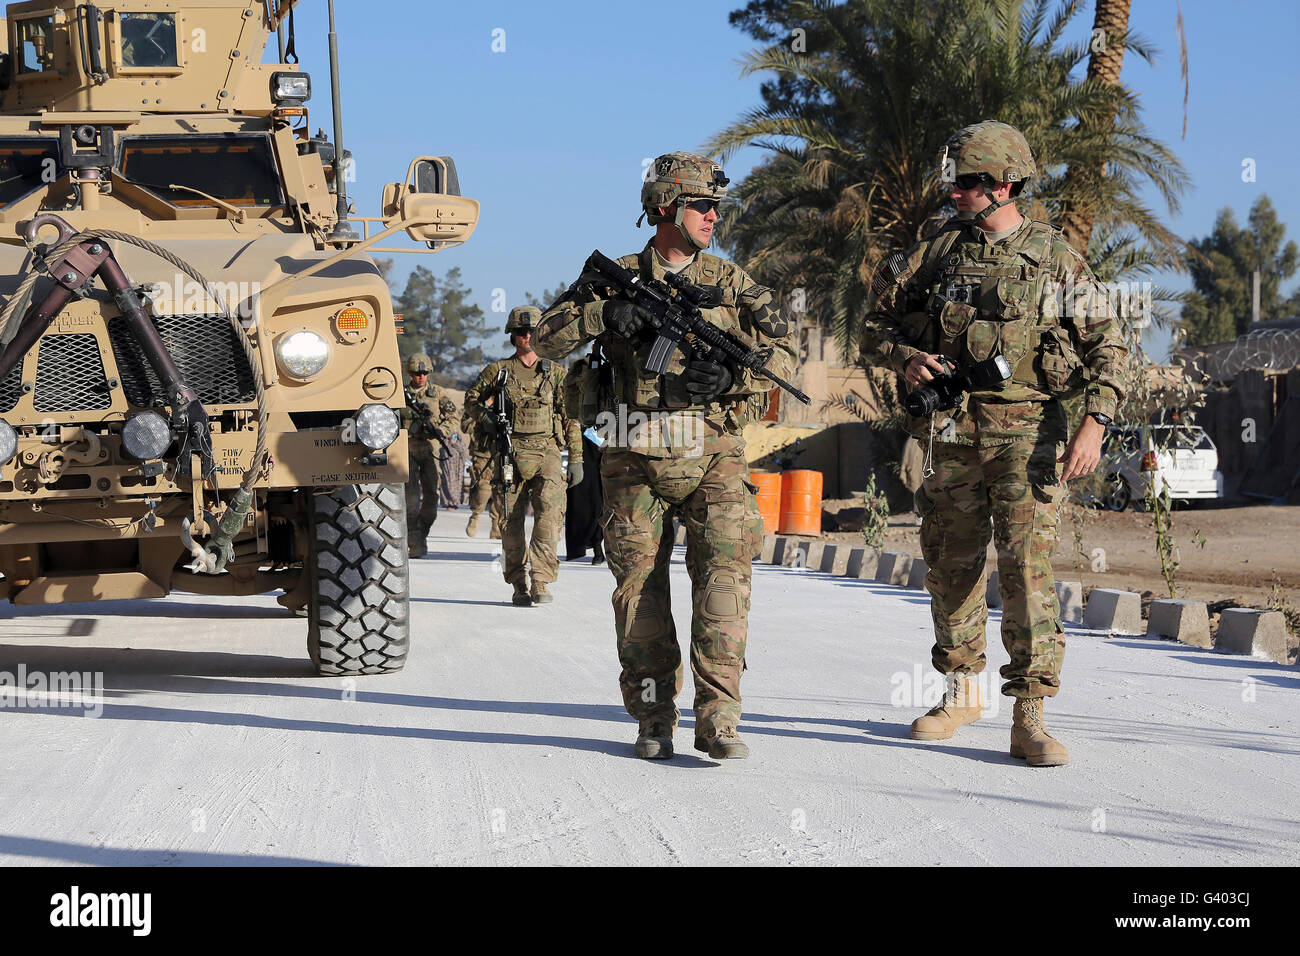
x=1099 y=418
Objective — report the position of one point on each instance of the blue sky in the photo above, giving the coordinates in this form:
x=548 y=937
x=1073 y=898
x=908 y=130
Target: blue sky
x=550 y=111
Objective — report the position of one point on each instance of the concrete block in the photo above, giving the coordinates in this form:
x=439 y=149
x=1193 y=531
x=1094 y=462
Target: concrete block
x=1245 y=630
x=992 y=596
x=680 y=535
x=779 y=548
x=769 y=548
x=813 y=559
x=1185 y=621
x=796 y=553
x=835 y=559
x=1119 y=612
x=862 y=563
x=916 y=575
x=894 y=568
x=1069 y=594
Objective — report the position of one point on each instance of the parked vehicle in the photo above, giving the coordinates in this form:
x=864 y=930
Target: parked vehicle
x=1181 y=458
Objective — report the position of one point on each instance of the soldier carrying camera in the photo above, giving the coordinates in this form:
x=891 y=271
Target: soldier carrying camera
x=992 y=321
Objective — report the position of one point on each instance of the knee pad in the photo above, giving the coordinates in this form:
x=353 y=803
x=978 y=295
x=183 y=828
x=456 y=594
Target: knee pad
x=722 y=602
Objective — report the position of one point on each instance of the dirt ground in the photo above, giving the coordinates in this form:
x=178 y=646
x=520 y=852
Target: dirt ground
x=1247 y=548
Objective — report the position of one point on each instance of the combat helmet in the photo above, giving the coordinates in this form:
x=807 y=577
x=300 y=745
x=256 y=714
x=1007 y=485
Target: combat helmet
x=677 y=175
x=997 y=150
x=523 y=318
x=419 y=364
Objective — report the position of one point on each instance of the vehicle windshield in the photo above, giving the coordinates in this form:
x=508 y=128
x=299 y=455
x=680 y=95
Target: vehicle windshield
x=26 y=164
x=236 y=168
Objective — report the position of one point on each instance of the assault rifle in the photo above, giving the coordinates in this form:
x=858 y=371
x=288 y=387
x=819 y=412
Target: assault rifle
x=503 y=442
x=674 y=307
x=424 y=415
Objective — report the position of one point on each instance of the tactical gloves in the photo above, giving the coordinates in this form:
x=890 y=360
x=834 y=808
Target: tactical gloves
x=575 y=474
x=625 y=318
x=706 y=380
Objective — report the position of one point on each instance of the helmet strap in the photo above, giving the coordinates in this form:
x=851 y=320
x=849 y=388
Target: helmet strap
x=993 y=206
x=681 y=211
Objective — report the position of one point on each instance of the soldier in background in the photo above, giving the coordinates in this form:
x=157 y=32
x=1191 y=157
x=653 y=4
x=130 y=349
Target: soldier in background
x=480 y=476
x=534 y=391
x=693 y=460
x=992 y=282
x=423 y=447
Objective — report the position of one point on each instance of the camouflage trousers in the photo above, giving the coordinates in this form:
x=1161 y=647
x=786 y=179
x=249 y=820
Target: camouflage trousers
x=480 y=490
x=713 y=498
x=421 y=488
x=539 y=482
x=1013 y=492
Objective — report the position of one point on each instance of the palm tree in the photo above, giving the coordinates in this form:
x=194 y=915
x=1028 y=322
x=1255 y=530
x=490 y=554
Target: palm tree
x=855 y=125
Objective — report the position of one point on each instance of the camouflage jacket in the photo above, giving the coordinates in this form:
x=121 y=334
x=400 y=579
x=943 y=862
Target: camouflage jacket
x=431 y=395
x=536 y=400
x=1029 y=297
x=666 y=421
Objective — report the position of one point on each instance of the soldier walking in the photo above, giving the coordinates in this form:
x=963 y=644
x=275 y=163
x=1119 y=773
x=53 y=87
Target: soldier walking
x=480 y=477
x=991 y=282
x=534 y=400
x=423 y=448
x=692 y=459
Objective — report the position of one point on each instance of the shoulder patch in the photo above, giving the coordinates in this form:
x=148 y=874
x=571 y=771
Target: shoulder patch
x=888 y=273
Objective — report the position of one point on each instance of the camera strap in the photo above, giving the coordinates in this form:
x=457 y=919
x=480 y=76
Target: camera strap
x=927 y=463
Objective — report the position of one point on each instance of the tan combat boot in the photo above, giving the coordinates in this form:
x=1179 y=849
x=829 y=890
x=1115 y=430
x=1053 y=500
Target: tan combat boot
x=540 y=594
x=723 y=745
x=1030 y=740
x=655 y=740
x=521 y=597
x=471 y=529
x=961 y=704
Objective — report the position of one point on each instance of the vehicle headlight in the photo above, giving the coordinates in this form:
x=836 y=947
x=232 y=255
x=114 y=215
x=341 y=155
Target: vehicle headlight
x=302 y=354
x=290 y=89
x=377 y=426
x=8 y=442
x=146 y=436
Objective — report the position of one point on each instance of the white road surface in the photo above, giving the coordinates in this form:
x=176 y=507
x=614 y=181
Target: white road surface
x=505 y=742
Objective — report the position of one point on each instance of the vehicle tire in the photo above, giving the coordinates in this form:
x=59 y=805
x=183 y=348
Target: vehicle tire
x=358 y=618
x=1118 y=494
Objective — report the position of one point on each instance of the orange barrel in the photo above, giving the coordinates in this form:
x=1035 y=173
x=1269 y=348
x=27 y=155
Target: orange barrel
x=769 y=498
x=801 y=502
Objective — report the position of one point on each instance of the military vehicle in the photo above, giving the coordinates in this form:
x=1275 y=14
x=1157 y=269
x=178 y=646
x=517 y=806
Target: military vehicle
x=199 y=369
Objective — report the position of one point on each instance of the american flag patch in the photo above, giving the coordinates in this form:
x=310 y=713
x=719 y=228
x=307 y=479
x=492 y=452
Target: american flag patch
x=887 y=273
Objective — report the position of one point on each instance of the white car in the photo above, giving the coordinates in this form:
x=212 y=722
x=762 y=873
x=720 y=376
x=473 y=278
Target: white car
x=1181 y=458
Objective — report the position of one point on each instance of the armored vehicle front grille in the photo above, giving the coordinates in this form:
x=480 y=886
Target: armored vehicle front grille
x=11 y=388
x=206 y=351
x=70 y=375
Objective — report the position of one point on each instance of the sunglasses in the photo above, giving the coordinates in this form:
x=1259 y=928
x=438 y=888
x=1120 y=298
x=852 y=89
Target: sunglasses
x=703 y=206
x=972 y=180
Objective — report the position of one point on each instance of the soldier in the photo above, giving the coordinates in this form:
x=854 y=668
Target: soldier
x=992 y=282
x=451 y=461
x=691 y=457
x=423 y=447
x=535 y=403
x=480 y=477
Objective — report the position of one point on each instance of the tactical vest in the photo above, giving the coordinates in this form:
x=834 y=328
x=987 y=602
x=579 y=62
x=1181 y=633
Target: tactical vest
x=987 y=299
x=533 y=402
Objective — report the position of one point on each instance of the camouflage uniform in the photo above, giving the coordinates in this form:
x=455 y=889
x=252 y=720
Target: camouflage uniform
x=423 y=450
x=695 y=463
x=1030 y=297
x=540 y=428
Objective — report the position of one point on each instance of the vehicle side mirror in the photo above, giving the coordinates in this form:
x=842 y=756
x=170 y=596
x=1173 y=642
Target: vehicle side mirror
x=438 y=218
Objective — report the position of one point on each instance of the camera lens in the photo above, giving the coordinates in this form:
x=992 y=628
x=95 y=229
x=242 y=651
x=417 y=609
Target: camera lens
x=921 y=403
